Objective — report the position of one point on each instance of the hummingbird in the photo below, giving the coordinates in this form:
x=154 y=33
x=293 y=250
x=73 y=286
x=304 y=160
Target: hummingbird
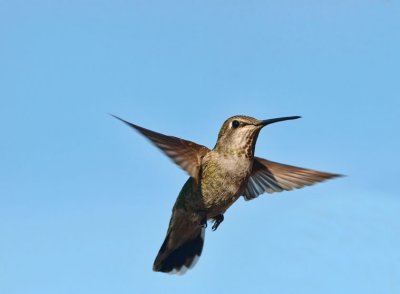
x=217 y=178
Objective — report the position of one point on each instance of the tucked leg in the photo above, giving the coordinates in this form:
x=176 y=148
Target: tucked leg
x=217 y=221
x=204 y=222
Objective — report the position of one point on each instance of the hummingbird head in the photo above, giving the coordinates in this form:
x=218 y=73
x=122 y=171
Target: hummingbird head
x=238 y=134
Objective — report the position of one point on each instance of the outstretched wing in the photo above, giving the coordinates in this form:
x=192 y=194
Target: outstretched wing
x=184 y=153
x=268 y=176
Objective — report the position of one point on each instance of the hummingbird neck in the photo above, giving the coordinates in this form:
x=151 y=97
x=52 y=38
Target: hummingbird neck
x=232 y=152
x=240 y=148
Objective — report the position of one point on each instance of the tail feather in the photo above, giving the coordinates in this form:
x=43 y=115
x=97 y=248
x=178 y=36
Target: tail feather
x=182 y=246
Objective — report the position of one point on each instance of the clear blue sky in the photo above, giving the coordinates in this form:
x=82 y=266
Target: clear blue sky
x=85 y=201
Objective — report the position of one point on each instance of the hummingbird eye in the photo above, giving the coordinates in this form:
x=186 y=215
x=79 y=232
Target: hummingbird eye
x=235 y=124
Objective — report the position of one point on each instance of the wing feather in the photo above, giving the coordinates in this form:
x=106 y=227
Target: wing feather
x=268 y=176
x=186 y=154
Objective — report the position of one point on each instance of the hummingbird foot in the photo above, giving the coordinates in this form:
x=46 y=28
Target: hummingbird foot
x=204 y=223
x=217 y=221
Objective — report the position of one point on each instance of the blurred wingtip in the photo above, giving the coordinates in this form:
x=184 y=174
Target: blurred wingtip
x=124 y=121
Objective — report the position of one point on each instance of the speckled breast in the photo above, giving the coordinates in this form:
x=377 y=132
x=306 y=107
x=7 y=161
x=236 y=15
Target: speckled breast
x=222 y=180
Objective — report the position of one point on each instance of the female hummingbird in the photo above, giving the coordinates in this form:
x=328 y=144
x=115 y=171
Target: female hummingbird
x=218 y=177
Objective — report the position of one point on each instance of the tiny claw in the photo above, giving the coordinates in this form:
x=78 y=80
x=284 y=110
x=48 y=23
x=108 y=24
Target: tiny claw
x=217 y=221
x=204 y=223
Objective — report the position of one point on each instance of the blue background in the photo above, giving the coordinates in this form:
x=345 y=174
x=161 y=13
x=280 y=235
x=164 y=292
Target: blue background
x=85 y=201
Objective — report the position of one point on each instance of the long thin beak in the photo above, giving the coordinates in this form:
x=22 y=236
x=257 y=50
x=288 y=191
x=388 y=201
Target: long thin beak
x=274 y=120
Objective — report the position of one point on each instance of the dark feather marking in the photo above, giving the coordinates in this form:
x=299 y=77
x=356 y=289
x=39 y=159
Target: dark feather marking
x=183 y=256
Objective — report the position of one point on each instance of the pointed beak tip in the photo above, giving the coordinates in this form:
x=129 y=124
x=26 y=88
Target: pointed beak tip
x=291 y=117
x=274 y=120
x=114 y=116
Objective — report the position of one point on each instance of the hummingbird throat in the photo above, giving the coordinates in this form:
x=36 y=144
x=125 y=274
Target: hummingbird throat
x=239 y=146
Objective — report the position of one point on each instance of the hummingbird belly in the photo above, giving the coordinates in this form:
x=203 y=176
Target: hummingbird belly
x=222 y=181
